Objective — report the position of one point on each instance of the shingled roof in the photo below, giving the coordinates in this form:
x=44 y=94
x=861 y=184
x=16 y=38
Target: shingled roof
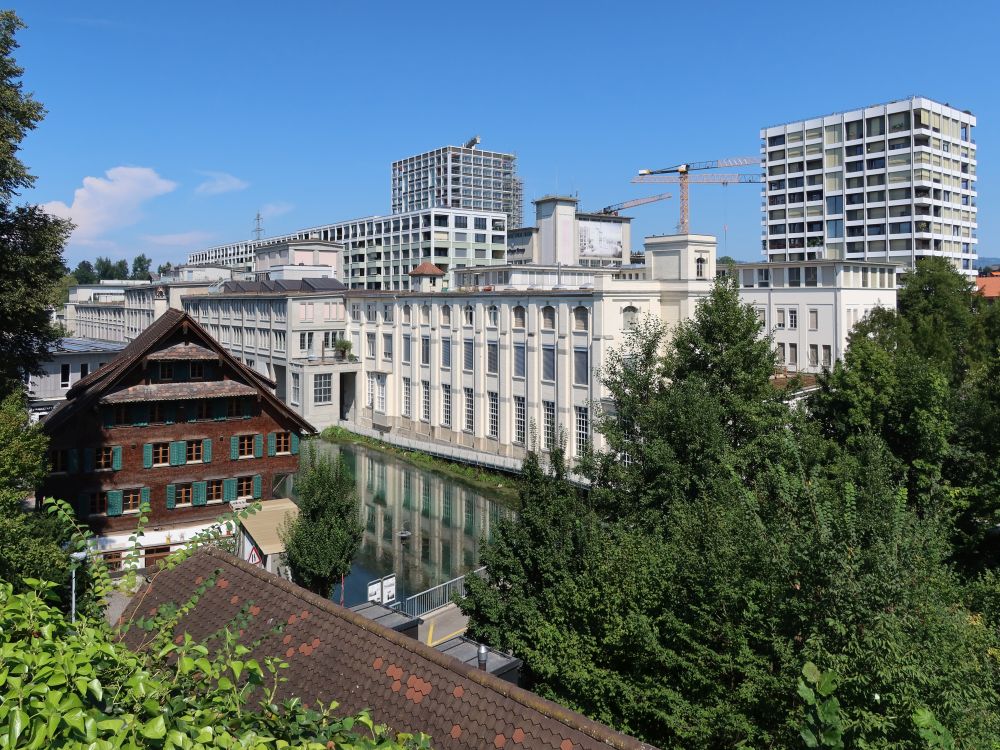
x=86 y=391
x=336 y=654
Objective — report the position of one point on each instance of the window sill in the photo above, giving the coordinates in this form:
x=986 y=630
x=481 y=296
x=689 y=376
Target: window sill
x=159 y=466
x=240 y=458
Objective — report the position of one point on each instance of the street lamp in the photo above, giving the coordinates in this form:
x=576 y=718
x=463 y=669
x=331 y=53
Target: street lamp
x=77 y=558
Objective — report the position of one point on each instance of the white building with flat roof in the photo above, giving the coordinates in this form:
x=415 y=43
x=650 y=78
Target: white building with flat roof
x=891 y=182
x=564 y=235
x=811 y=306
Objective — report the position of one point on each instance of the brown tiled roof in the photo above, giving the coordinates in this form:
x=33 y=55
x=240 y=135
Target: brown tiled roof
x=184 y=351
x=336 y=654
x=178 y=392
x=97 y=384
x=426 y=269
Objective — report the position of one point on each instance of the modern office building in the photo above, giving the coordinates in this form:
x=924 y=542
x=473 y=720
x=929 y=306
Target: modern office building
x=891 y=182
x=70 y=360
x=459 y=177
x=811 y=306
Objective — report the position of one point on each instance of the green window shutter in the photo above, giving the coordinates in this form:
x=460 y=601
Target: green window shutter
x=180 y=371
x=140 y=415
x=108 y=417
x=258 y=446
x=206 y=450
x=247 y=408
x=171 y=496
x=72 y=461
x=147 y=456
x=272 y=443
x=178 y=450
x=82 y=504
x=256 y=486
x=295 y=444
x=234 y=447
x=116 y=457
x=144 y=497
x=219 y=409
x=114 y=502
x=199 y=493
x=228 y=490
x=170 y=414
x=88 y=459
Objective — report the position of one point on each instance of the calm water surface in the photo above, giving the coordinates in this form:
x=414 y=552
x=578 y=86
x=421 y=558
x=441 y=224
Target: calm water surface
x=423 y=526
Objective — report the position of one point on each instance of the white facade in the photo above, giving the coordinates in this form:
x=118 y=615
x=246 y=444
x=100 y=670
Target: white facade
x=892 y=182
x=563 y=235
x=810 y=307
x=458 y=177
x=477 y=370
x=71 y=360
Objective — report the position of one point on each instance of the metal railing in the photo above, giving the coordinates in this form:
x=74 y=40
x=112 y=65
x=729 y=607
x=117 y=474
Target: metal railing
x=435 y=597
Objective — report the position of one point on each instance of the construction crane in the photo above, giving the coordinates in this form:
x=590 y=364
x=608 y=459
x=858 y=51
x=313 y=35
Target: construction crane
x=615 y=208
x=681 y=174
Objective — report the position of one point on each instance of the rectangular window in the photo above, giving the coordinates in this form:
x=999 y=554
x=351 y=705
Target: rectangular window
x=380 y=392
x=406 y=349
x=494 y=421
x=548 y=424
x=244 y=488
x=161 y=454
x=296 y=388
x=196 y=371
x=468 y=355
x=98 y=503
x=407 y=403
x=370 y=342
x=480 y=223
x=781 y=354
x=166 y=370
x=323 y=388
x=214 y=491
x=425 y=350
x=425 y=395
x=520 y=420
x=234 y=408
x=492 y=357
x=64 y=376
x=194 y=451
x=84 y=370
x=131 y=500
x=826 y=355
x=470 y=410
x=282 y=442
x=793 y=354
x=519 y=360
x=779 y=318
x=813 y=320
x=446 y=354
x=104 y=457
x=446 y=405
x=581 y=366
x=582 y=429
x=245 y=446
x=305 y=342
x=183 y=494
x=813 y=355
x=548 y=363
x=387 y=346
x=793 y=317
x=812 y=276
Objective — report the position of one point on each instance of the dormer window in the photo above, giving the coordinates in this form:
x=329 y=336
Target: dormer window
x=166 y=370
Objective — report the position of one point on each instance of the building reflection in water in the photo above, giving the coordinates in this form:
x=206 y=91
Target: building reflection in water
x=423 y=526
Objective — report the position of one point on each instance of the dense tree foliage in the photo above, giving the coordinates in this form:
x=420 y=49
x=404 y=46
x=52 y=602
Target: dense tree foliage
x=321 y=543
x=730 y=538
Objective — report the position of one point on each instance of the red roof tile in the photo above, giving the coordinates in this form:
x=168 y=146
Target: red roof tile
x=426 y=269
x=405 y=683
x=989 y=286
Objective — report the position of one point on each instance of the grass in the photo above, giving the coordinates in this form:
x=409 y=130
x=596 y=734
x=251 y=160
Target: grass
x=503 y=486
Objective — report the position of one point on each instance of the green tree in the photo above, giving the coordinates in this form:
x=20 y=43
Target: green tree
x=323 y=540
x=165 y=268
x=140 y=267
x=108 y=269
x=31 y=241
x=84 y=273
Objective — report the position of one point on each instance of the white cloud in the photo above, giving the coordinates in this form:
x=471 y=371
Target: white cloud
x=110 y=202
x=180 y=239
x=220 y=182
x=270 y=210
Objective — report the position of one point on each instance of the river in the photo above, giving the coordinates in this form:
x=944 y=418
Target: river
x=423 y=526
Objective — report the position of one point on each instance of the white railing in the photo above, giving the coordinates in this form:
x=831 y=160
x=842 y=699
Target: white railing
x=435 y=597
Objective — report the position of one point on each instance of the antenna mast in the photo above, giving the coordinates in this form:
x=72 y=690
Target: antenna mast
x=258 y=226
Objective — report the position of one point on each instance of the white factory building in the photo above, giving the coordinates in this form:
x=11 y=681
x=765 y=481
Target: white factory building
x=891 y=182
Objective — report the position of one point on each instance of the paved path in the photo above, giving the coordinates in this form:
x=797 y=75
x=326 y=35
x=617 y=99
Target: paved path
x=442 y=624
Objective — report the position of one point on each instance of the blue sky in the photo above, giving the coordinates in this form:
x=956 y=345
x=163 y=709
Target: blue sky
x=170 y=124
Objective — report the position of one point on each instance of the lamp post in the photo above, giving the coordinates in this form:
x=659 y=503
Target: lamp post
x=77 y=558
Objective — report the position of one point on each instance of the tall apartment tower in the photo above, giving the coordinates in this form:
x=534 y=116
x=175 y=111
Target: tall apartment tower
x=459 y=177
x=890 y=182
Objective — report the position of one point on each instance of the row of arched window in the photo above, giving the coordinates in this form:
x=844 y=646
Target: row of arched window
x=581 y=316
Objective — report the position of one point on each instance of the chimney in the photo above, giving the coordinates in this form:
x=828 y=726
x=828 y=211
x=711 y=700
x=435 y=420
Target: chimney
x=481 y=657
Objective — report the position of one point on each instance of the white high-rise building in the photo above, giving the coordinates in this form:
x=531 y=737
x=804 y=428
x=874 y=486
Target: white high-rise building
x=891 y=182
x=459 y=177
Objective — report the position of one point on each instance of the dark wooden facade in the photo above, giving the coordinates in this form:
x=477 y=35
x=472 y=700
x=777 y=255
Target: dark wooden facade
x=174 y=421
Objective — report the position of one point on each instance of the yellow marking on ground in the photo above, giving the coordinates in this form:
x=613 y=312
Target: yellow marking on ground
x=442 y=640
